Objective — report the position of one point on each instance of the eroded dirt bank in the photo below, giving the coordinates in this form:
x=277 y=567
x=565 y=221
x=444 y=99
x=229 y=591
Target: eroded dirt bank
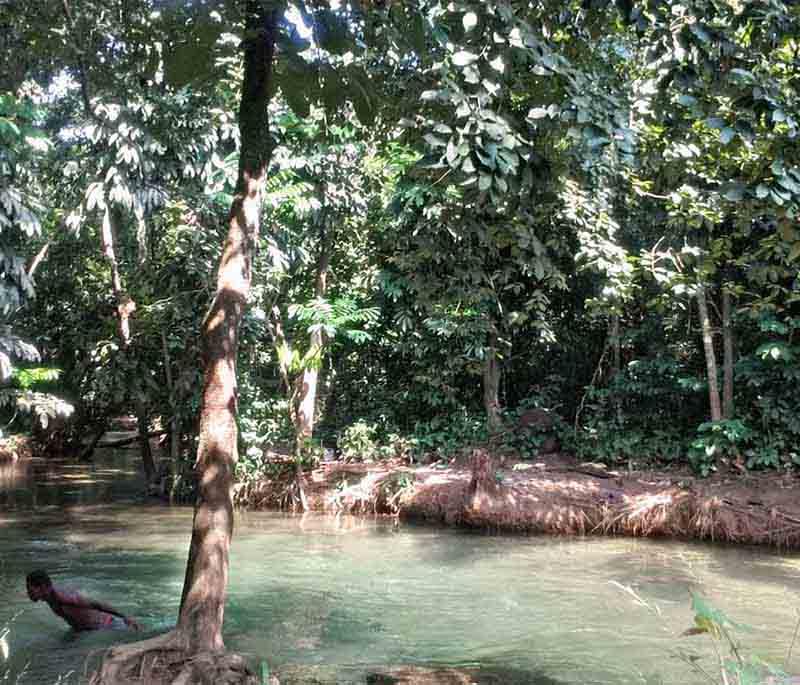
x=556 y=496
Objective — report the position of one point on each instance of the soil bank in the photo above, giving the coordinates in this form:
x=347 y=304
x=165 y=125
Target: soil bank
x=556 y=495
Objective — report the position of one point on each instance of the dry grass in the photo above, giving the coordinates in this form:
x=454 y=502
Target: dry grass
x=558 y=497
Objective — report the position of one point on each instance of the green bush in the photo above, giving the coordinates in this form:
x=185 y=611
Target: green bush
x=716 y=440
x=359 y=442
x=643 y=415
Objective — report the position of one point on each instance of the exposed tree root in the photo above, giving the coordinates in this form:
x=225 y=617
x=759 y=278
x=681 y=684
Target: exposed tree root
x=163 y=660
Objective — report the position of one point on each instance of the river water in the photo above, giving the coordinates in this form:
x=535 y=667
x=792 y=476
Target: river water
x=334 y=598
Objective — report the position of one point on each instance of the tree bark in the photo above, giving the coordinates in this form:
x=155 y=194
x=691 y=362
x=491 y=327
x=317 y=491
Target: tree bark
x=174 y=435
x=728 y=408
x=711 y=358
x=203 y=600
x=614 y=341
x=307 y=393
x=143 y=424
x=491 y=386
x=125 y=307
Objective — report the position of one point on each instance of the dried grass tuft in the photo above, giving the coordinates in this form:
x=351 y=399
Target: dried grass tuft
x=560 y=501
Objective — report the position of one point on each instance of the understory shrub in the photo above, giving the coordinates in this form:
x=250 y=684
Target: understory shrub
x=643 y=415
x=768 y=397
x=359 y=442
x=716 y=440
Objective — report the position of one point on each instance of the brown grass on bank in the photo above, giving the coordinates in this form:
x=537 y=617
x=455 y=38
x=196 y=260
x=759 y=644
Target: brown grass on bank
x=14 y=448
x=558 y=497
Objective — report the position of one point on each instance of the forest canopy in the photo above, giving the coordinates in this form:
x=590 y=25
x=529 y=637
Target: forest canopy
x=470 y=210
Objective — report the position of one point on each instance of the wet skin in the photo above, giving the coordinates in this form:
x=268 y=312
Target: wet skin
x=80 y=612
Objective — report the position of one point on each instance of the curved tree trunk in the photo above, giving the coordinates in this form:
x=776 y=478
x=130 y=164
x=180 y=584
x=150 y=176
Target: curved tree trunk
x=203 y=600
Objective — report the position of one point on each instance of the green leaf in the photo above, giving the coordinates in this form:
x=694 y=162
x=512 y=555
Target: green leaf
x=498 y=64
x=775 y=350
x=7 y=126
x=470 y=21
x=418 y=32
x=463 y=58
x=331 y=31
x=485 y=182
x=734 y=192
x=788 y=183
x=472 y=75
x=192 y=60
x=95 y=196
x=362 y=102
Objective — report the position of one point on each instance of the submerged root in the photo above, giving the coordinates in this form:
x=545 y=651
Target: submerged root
x=164 y=660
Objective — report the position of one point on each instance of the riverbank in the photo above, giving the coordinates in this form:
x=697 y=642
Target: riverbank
x=556 y=495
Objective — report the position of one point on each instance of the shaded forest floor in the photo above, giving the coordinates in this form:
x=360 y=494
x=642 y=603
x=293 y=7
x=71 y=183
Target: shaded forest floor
x=555 y=495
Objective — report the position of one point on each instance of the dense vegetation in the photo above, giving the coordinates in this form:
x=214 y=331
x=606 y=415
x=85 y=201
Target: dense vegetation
x=472 y=209
x=394 y=229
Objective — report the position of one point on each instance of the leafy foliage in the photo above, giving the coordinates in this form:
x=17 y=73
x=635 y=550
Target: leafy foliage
x=473 y=208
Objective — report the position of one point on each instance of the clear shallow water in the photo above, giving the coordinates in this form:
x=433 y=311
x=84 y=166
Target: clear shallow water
x=334 y=598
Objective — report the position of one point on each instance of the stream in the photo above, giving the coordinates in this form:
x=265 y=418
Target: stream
x=333 y=598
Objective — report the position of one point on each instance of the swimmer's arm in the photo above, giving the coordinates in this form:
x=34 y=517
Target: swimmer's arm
x=78 y=600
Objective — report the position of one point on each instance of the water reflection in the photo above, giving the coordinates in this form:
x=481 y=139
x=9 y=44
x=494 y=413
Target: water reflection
x=41 y=482
x=343 y=600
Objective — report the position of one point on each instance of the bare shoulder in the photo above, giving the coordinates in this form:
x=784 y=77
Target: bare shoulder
x=68 y=595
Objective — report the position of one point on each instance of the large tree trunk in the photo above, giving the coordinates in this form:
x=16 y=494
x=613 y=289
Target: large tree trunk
x=203 y=600
x=711 y=358
x=728 y=409
x=491 y=386
x=307 y=392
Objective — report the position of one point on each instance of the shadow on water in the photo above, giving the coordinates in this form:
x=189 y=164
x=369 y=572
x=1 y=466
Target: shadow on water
x=676 y=567
x=39 y=482
x=413 y=675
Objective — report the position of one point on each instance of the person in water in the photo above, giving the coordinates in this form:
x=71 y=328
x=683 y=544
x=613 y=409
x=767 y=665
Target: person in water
x=80 y=612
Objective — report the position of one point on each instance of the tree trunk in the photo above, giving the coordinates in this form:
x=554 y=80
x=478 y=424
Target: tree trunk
x=174 y=435
x=203 y=599
x=125 y=305
x=307 y=393
x=142 y=423
x=711 y=358
x=614 y=341
x=728 y=408
x=491 y=386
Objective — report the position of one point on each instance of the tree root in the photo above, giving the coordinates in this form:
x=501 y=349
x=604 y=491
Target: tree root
x=164 y=660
